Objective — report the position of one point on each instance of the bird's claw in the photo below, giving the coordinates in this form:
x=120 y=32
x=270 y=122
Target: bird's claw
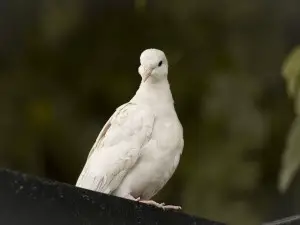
x=161 y=205
x=174 y=207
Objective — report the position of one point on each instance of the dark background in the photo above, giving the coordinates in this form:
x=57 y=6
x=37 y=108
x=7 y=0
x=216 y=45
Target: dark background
x=65 y=65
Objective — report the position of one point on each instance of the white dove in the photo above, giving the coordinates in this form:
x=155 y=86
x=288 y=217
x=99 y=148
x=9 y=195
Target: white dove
x=139 y=147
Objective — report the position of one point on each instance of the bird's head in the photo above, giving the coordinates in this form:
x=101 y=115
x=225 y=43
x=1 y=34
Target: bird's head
x=154 y=65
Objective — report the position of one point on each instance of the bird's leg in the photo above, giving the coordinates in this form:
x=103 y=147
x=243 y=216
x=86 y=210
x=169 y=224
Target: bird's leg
x=151 y=202
x=160 y=205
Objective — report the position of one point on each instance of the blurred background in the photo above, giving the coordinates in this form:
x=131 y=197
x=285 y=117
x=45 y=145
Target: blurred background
x=65 y=65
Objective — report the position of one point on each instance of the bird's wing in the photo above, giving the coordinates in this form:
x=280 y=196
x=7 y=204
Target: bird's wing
x=105 y=128
x=117 y=148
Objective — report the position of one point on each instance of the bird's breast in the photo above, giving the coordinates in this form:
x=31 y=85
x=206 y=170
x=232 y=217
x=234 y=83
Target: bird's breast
x=159 y=158
x=154 y=169
x=168 y=134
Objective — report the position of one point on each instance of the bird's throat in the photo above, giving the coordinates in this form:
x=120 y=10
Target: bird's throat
x=153 y=93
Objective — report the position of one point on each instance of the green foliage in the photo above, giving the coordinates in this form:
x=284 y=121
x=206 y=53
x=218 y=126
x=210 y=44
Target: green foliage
x=291 y=73
x=291 y=156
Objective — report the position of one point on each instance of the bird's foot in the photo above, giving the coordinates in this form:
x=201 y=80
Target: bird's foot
x=160 y=205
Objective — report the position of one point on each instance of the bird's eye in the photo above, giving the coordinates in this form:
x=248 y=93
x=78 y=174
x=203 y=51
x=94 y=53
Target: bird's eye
x=159 y=64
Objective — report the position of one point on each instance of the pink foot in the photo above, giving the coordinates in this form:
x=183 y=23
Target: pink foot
x=160 y=205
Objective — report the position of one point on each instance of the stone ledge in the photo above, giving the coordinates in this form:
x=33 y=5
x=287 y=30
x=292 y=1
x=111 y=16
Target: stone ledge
x=25 y=199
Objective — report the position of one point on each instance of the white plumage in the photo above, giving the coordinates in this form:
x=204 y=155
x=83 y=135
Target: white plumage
x=139 y=147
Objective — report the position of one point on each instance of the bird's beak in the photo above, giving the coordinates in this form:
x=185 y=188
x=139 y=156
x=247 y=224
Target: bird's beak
x=148 y=72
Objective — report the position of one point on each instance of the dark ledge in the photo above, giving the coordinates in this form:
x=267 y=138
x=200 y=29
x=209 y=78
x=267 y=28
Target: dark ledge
x=26 y=199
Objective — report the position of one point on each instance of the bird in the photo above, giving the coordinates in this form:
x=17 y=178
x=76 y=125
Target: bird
x=140 y=146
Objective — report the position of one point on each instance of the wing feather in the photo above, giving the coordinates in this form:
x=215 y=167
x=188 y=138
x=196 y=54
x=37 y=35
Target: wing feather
x=117 y=148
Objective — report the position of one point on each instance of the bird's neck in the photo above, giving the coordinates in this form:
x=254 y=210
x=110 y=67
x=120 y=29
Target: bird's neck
x=154 y=93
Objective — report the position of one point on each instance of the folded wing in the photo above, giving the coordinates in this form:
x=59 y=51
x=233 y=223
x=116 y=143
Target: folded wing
x=117 y=148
